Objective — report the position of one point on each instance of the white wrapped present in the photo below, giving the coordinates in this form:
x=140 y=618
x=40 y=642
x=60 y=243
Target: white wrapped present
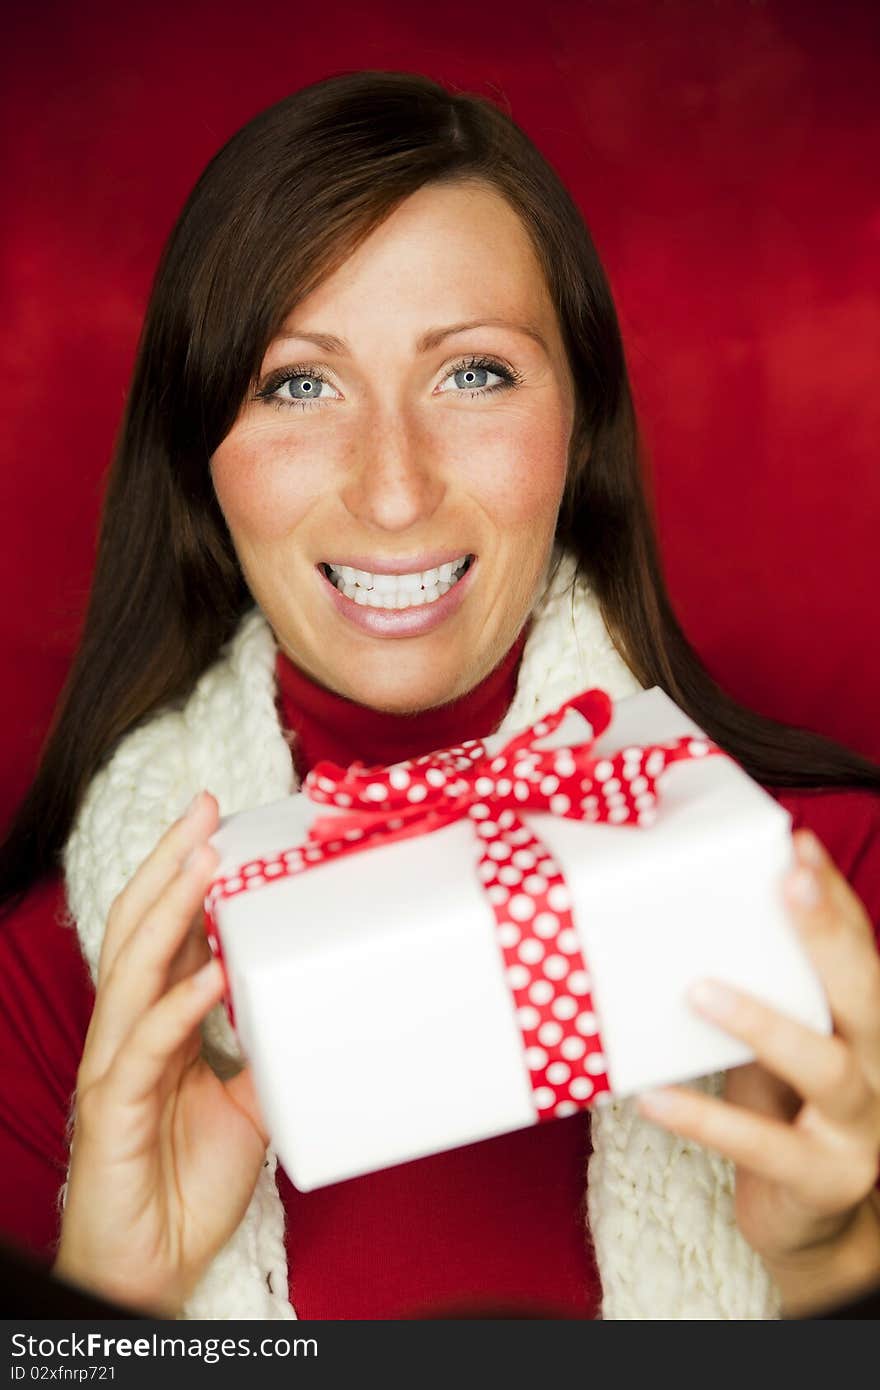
x=402 y=992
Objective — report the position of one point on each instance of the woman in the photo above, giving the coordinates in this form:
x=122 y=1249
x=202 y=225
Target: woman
x=378 y=490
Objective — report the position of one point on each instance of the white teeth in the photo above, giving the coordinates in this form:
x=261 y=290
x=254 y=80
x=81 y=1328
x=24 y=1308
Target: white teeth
x=392 y=591
x=409 y=583
x=385 y=583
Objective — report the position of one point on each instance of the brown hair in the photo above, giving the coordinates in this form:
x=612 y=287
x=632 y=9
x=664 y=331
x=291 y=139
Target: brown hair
x=281 y=205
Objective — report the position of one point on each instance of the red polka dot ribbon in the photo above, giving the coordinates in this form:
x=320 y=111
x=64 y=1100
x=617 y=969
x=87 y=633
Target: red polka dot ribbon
x=544 y=967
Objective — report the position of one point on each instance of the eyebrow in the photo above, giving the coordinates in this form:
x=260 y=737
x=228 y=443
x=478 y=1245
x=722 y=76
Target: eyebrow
x=328 y=342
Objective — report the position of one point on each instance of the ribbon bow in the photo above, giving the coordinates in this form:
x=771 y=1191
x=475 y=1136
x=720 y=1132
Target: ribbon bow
x=545 y=969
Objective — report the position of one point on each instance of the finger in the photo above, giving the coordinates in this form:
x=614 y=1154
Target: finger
x=759 y=1143
x=828 y=1179
x=140 y=971
x=767 y=1147
x=139 y=1066
x=838 y=938
x=812 y=854
x=825 y=1071
x=171 y=926
x=193 y=952
x=154 y=874
x=756 y=1088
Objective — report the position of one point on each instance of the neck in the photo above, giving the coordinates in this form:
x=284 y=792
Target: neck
x=329 y=726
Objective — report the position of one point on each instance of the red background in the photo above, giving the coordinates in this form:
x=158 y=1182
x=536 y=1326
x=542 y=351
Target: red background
x=724 y=155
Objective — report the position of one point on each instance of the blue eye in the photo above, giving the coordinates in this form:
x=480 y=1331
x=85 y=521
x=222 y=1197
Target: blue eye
x=305 y=386
x=472 y=376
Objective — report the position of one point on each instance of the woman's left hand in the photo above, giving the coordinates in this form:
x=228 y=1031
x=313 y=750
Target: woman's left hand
x=802 y=1122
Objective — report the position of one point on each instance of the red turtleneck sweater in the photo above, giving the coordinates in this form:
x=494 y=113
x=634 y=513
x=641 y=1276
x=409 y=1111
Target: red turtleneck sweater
x=495 y=1224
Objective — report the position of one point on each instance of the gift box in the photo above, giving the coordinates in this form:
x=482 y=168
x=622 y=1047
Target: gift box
x=497 y=935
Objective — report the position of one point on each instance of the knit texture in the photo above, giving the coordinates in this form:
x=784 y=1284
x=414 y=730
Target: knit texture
x=660 y=1208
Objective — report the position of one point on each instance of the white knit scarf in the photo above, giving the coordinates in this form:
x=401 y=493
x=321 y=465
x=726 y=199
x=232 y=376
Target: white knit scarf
x=660 y=1208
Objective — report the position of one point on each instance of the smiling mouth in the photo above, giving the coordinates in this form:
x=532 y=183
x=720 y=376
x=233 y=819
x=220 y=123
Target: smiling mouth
x=396 y=591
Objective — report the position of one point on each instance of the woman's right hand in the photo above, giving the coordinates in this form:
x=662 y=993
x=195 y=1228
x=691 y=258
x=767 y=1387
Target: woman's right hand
x=165 y=1156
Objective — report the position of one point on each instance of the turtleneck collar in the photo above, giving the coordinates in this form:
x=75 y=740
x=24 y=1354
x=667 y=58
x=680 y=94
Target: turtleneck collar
x=330 y=726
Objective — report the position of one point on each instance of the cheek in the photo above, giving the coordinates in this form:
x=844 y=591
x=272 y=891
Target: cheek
x=263 y=485
x=514 y=465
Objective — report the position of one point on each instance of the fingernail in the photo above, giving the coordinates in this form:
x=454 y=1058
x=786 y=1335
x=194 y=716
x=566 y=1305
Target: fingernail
x=804 y=887
x=656 y=1102
x=712 y=997
x=193 y=806
x=810 y=849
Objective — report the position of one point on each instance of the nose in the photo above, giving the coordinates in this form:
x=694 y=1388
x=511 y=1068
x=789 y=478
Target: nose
x=394 y=482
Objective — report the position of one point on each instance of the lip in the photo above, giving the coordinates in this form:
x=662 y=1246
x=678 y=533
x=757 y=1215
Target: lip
x=409 y=564
x=400 y=622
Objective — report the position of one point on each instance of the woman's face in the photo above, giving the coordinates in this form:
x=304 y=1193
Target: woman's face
x=414 y=414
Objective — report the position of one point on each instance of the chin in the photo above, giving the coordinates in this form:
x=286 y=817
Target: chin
x=400 y=695
x=403 y=700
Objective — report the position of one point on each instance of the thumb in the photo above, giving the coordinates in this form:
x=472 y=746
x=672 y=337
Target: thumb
x=242 y=1093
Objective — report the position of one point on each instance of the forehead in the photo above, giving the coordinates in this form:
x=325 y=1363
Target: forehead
x=453 y=249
